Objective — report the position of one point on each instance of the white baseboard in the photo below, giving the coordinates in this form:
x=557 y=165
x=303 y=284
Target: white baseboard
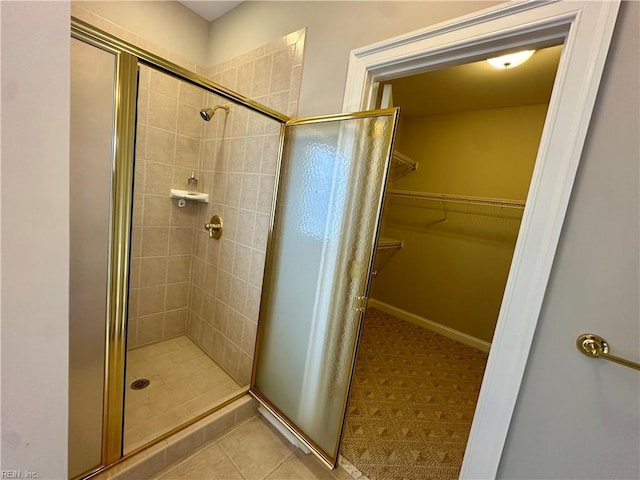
x=430 y=325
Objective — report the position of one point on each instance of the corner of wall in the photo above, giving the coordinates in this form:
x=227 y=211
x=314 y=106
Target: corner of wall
x=35 y=259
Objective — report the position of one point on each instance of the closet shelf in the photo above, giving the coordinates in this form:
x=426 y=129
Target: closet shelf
x=401 y=165
x=195 y=196
x=447 y=198
x=385 y=243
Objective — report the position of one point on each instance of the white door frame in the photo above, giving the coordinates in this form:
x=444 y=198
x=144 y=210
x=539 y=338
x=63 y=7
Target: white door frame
x=585 y=28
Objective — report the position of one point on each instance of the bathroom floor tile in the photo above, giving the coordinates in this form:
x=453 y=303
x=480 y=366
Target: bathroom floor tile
x=184 y=382
x=301 y=467
x=209 y=463
x=254 y=450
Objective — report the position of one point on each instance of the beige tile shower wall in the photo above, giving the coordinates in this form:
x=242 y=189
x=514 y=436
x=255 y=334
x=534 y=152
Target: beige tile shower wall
x=238 y=164
x=168 y=147
x=270 y=74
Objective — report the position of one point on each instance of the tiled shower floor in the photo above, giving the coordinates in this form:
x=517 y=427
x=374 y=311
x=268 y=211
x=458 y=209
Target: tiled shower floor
x=185 y=382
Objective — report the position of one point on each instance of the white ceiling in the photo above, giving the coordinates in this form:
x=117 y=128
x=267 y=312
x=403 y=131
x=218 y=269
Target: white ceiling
x=210 y=9
x=478 y=86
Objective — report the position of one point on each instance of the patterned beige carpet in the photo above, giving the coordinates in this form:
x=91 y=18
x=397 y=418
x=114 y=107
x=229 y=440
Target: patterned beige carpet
x=412 y=401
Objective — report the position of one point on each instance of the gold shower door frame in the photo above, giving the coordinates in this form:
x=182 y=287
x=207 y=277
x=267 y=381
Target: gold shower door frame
x=361 y=267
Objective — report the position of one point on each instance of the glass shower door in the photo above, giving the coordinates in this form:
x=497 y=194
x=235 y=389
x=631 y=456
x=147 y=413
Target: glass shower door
x=332 y=176
x=93 y=92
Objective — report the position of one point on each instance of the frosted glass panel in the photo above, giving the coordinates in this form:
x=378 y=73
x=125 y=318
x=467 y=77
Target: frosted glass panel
x=91 y=164
x=330 y=192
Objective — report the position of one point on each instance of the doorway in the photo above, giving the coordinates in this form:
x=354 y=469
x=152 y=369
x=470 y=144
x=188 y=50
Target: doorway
x=463 y=158
x=585 y=29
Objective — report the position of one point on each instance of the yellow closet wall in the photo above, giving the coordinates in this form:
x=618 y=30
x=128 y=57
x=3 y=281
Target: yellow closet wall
x=454 y=272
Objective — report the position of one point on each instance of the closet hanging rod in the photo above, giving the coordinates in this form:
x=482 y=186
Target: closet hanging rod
x=444 y=197
x=404 y=160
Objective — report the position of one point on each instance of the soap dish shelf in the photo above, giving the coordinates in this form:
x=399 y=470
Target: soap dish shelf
x=195 y=196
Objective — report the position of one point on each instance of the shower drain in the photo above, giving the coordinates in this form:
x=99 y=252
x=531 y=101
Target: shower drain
x=140 y=384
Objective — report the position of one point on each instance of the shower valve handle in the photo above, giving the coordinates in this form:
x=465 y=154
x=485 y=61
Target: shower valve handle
x=214 y=227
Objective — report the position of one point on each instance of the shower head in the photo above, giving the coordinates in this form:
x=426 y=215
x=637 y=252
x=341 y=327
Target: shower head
x=207 y=113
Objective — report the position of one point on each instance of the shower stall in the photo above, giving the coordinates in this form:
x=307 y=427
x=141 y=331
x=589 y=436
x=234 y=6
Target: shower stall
x=162 y=315
x=218 y=247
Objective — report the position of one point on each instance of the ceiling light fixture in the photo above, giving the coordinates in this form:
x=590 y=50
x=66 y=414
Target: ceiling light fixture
x=511 y=60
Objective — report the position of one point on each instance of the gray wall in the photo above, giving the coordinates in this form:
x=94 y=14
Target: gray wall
x=577 y=417
x=334 y=29
x=35 y=236
x=169 y=25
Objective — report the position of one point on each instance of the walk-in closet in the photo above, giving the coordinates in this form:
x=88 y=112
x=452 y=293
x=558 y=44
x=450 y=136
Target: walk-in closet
x=464 y=155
